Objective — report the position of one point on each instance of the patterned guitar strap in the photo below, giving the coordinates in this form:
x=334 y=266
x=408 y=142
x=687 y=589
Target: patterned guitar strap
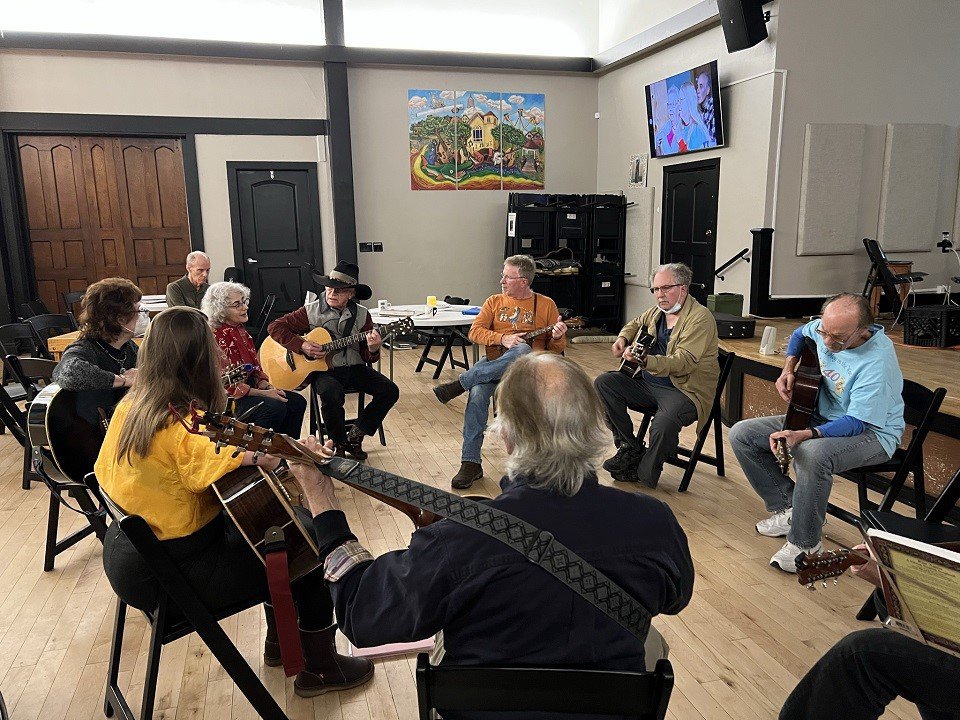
x=538 y=546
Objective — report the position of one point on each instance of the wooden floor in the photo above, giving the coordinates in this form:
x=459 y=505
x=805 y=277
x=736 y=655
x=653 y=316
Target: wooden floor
x=738 y=649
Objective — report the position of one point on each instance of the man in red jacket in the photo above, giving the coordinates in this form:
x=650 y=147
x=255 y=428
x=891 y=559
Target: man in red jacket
x=338 y=312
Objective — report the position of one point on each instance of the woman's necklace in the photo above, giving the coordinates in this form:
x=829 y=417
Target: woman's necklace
x=118 y=356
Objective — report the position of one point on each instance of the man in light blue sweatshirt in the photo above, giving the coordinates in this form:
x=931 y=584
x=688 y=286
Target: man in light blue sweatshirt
x=858 y=421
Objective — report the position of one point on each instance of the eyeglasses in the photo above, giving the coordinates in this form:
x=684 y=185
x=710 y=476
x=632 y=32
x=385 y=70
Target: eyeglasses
x=507 y=277
x=839 y=339
x=240 y=304
x=665 y=288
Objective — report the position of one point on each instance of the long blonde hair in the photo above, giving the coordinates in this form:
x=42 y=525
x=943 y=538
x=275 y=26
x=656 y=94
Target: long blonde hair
x=177 y=363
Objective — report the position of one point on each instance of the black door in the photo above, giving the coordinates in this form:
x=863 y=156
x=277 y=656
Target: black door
x=690 y=220
x=275 y=212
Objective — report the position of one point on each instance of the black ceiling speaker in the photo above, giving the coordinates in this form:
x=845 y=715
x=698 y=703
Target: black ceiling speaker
x=743 y=23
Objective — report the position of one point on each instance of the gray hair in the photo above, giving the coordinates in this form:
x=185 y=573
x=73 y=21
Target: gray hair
x=217 y=298
x=524 y=264
x=196 y=255
x=858 y=303
x=551 y=416
x=682 y=274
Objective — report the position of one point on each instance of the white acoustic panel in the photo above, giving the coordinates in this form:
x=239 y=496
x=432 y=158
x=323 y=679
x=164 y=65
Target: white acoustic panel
x=639 y=237
x=913 y=172
x=830 y=188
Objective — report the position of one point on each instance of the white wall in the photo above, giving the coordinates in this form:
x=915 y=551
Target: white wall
x=115 y=84
x=620 y=20
x=213 y=153
x=436 y=242
x=861 y=61
x=745 y=162
x=533 y=27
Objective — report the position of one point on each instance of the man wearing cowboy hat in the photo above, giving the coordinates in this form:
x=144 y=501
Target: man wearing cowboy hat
x=339 y=314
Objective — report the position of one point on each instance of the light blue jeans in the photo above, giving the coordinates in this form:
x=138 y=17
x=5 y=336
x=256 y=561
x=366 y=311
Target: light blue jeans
x=481 y=382
x=814 y=462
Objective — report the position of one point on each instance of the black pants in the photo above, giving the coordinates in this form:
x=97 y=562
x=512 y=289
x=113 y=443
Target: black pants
x=221 y=568
x=673 y=411
x=285 y=417
x=331 y=386
x=866 y=670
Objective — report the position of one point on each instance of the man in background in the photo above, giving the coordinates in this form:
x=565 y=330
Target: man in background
x=705 y=103
x=189 y=289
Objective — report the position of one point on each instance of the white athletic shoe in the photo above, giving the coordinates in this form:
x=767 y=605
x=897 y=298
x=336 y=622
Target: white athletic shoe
x=777 y=525
x=786 y=557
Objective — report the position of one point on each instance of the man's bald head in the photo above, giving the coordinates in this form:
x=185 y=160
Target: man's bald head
x=845 y=322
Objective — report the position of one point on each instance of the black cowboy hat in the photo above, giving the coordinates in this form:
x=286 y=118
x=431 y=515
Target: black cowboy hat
x=344 y=275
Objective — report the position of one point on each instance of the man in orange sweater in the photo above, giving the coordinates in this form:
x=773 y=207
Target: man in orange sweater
x=501 y=325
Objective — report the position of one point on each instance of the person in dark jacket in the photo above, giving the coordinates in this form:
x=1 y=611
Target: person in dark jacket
x=105 y=356
x=494 y=606
x=338 y=312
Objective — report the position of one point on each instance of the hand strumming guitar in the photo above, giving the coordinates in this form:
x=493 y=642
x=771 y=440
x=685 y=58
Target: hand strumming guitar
x=619 y=346
x=312 y=350
x=512 y=340
x=317 y=488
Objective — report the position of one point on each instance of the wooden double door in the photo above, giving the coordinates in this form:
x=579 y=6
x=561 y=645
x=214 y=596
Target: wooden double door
x=101 y=207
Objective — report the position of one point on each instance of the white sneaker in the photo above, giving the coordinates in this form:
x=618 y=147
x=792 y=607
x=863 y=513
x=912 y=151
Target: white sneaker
x=777 y=525
x=786 y=557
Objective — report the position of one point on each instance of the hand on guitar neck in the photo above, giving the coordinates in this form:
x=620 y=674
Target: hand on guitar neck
x=318 y=491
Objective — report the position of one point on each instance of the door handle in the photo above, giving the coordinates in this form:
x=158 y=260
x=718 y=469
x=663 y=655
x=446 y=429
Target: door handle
x=708 y=232
x=251 y=261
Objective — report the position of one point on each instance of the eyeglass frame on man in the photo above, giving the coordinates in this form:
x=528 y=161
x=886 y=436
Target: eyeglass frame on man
x=508 y=277
x=666 y=288
x=834 y=337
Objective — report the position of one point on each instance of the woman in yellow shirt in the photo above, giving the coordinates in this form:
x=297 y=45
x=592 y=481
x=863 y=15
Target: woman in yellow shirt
x=152 y=467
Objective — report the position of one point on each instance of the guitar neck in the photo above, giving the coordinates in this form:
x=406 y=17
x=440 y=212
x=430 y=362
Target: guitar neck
x=533 y=334
x=345 y=341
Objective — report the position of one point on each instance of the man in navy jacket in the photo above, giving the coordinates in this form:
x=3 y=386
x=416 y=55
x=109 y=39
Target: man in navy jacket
x=494 y=605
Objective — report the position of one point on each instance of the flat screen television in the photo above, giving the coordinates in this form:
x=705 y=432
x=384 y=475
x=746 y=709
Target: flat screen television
x=683 y=112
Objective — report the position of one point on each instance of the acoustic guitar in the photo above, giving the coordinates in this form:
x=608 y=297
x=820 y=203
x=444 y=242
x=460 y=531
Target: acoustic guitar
x=496 y=351
x=72 y=423
x=819 y=567
x=288 y=370
x=639 y=349
x=803 y=400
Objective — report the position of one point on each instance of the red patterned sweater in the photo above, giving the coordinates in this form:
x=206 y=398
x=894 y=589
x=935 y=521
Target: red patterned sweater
x=236 y=347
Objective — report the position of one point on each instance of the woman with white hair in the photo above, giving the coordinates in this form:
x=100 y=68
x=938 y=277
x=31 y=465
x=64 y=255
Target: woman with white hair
x=225 y=305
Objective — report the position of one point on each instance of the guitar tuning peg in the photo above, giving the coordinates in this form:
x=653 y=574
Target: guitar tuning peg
x=836 y=581
x=824 y=583
x=236 y=452
x=811 y=587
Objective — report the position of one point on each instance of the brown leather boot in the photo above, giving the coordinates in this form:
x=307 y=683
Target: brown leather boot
x=469 y=473
x=271 y=646
x=448 y=391
x=326 y=670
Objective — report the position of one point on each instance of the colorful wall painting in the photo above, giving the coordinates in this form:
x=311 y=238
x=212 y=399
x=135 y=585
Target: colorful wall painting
x=476 y=140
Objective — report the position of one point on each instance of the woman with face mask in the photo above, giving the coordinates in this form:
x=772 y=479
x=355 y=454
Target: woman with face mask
x=105 y=356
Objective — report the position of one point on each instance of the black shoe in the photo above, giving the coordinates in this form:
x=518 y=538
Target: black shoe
x=626 y=460
x=469 y=473
x=448 y=391
x=271 y=645
x=353 y=445
x=629 y=476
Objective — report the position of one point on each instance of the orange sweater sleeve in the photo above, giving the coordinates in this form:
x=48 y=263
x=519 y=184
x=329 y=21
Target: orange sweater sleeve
x=481 y=332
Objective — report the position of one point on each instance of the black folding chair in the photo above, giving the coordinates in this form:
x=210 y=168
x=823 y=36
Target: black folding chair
x=259 y=326
x=231 y=274
x=178 y=613
x=640 y=695
x=47 y=326
x=316 y=416
x=882 y=276
x=687 y=458
x=920 y=408
x=72 y=298
x=20 y=339
x=33 y=307
x=30 y=375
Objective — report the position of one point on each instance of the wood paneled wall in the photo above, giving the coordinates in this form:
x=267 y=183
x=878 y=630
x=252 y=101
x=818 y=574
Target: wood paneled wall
x=101 y=207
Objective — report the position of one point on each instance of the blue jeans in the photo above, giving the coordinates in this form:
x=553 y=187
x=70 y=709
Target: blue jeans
x=481 y=382
x=814 y=462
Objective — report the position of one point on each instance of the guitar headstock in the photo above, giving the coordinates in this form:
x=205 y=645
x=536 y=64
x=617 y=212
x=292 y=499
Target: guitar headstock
x=236 y=373
x=575 y=322
x=399 y=327
x=825 y=565
x=226 y=431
